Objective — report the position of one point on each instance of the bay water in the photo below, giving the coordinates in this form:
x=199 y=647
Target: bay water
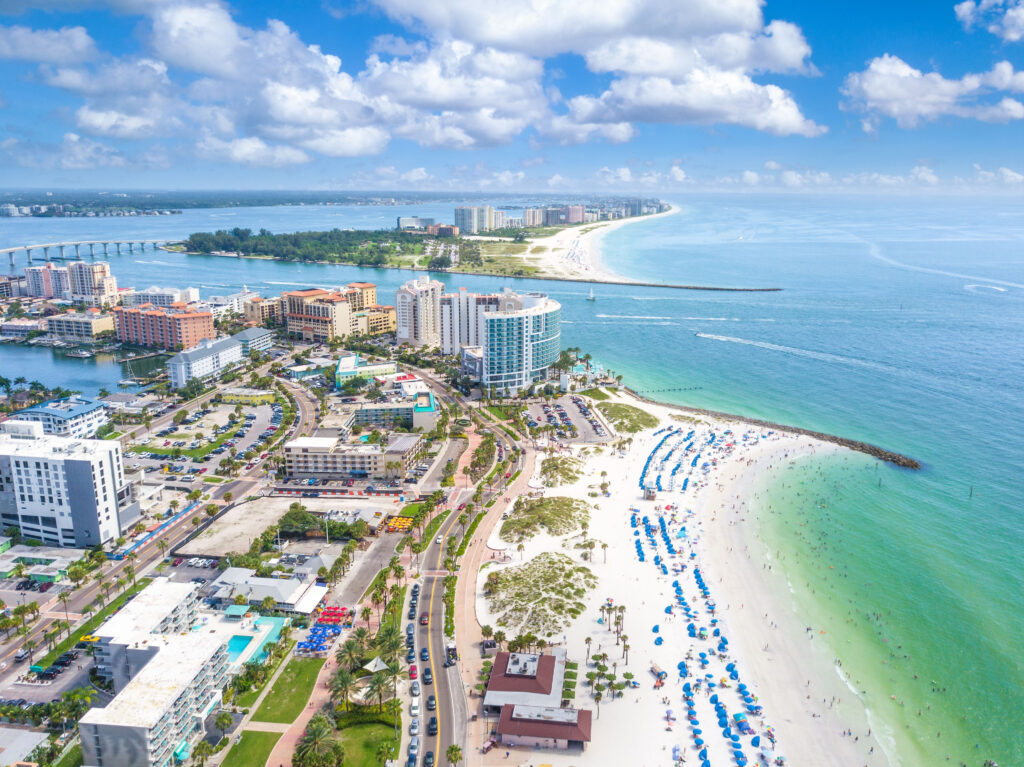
x=900 y=322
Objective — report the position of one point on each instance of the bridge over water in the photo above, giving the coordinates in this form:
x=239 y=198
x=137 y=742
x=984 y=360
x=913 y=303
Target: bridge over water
x=59 y=249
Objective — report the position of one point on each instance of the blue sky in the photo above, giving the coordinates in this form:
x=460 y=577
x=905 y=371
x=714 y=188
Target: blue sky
x=598 y=95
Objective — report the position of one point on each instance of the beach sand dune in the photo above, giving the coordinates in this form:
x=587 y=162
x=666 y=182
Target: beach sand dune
x=786 y=666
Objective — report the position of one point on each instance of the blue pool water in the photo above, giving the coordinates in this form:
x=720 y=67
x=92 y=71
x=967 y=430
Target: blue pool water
x=236 y=646
x=275 y=633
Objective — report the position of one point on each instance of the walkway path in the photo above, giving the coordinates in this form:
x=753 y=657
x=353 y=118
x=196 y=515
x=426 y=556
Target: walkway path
x=321 y=695
x=468 y=636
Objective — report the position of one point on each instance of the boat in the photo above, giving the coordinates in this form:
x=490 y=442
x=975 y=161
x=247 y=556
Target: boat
x=127 y=382
x=83 y=354
x=591 y=296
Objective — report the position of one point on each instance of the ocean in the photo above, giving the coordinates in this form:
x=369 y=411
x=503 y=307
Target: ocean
x=900 y=322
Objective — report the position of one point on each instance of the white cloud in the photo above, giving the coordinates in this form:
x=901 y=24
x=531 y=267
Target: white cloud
x=1011 y=176
x=892 y=88
x=557 y=180
x=703 y=97
x=1002 y=176
x=924 y=174
x=772 y=165
x=750 y=178
x=79 y=153
x=251 y=151
x=677 y=174
x=615 y=175
x=1003 y=18
x=348 y=142
x=508 y=177
x=117 y=124
x=67 y=45
x=200 y=37
x=672 y=62
x=416 y=175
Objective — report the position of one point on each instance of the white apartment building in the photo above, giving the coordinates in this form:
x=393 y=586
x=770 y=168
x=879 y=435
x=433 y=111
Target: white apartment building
x=161 y=297
x=462 y=322
x=92 y=283
x=47 y=281
x=533 y=217
x=208 y=360
x=158 y=717
x=60 y=490
x=473 y=219
x=234 y=303
x=125 y=641
x=68 y=417
x=418 y=312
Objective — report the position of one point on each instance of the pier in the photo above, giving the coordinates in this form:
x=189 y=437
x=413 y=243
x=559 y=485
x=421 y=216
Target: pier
x=58 y=251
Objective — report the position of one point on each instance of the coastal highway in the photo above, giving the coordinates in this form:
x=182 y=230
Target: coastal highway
x=452 y=709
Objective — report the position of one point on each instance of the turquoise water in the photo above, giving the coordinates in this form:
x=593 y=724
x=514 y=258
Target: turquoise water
x=275 y=633
x=236 y=646
x=900 y=323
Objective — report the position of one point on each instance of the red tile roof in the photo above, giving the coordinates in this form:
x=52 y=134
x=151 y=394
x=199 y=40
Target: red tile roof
x=501 y=681
x=509 y=727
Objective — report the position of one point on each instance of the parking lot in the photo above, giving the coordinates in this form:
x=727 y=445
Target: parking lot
x=572 y=418
x=204 y=428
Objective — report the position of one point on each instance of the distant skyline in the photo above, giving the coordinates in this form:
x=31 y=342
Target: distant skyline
x=648 y=96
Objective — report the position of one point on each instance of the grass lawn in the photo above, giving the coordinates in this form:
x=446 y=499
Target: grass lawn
x=361 y=742
x=291 y=692
x=627 y=418
x=73 y=758
x=90 y=625
x=595 y=393
x=247 y=699
x=114 y=435
x=214 y=479
x=253 y=748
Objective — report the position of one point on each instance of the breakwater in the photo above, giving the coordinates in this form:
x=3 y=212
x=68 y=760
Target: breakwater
x=897 y=459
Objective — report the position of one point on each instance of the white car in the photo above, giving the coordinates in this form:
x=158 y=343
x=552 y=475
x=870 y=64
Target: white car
x=414 y=726
x=438 y=540
x=414 y=707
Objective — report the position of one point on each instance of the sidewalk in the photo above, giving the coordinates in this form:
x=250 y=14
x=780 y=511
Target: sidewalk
x=467 y=635
x=282 y=753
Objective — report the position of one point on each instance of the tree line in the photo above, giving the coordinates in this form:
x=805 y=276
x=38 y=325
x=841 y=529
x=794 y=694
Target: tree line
x=337 y=245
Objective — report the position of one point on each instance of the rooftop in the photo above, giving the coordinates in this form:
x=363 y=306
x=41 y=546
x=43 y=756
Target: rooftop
x=206 y=348
x=545 y=722
x=68 y=407
x=526 y=678
x=143 y=614
x=20 y=437
x=153 y=691
x=252 y=334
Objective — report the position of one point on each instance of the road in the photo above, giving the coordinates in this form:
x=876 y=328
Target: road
x=308 y=409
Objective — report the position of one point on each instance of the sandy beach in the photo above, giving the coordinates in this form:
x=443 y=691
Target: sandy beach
x=575 y=253
x=703 y=566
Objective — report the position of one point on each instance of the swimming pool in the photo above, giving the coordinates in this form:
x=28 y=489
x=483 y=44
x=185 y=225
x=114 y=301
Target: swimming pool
x=236 y=646
x=276 y=624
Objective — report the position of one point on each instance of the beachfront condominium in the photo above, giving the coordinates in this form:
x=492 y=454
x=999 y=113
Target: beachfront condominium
x=47 y=281
x=92 y=283
x=533 y=217
x=160 y=715
x=161 y=297
x=68 y=417
x=521 y=340
x=418 y=312
x=414 y=222
x=462 y=322
x=574 y=214
x=173 y=327
x=63 y=491
x=472 y=219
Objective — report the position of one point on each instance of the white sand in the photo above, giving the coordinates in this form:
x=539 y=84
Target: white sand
x=633 y=729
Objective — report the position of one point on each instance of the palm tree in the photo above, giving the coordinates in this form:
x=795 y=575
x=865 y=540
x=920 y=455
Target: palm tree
x=317 y=747
x=343 y=684
x=378 y=687
x=349 y=655
x=366 y=613
x=361 y=636
x=587 y=642
x=499 y=637
x=163 y=546
x=202 y=752
x=394 y=673
x=223 y=721
x=454 y=754
x=64 y=598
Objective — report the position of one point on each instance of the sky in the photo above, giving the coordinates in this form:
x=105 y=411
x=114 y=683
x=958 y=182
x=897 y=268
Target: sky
x=596 y=96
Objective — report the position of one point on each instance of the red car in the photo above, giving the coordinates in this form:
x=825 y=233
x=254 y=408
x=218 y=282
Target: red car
x=462 y=506
x=413 y=672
